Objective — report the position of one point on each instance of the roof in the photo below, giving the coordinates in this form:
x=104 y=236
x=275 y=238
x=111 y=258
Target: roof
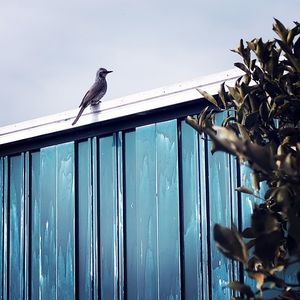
x=134 y=104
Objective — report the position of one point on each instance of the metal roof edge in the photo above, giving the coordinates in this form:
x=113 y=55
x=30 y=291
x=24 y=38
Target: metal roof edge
x=121 y=107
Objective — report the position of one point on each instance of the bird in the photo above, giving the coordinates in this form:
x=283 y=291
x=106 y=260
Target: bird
x=95 y=93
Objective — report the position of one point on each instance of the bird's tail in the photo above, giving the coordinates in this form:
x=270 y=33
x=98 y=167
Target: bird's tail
x=79 y=114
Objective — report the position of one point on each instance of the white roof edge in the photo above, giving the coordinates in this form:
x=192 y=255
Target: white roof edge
x=120 y=107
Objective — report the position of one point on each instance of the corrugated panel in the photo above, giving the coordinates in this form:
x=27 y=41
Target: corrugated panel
x=1 y=223
x=35 y=224
x=123 y=216
x=57 y=222
x=84 y=213
x=16 y=227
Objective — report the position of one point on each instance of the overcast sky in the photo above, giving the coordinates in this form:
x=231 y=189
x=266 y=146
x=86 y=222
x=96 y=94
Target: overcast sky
x=51 y=50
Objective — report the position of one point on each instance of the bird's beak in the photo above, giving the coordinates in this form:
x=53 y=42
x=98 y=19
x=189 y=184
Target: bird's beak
x=108 y=72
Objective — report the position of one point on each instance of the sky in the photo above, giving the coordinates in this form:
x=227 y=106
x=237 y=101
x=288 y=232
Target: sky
x=51 y=50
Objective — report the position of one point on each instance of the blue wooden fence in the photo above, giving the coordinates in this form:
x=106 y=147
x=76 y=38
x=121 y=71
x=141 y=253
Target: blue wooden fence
x=128 y=215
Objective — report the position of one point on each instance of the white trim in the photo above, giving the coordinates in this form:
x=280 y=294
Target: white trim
x=121 y=107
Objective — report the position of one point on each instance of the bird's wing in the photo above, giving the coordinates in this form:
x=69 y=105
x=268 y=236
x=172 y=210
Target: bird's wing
x=92 y=93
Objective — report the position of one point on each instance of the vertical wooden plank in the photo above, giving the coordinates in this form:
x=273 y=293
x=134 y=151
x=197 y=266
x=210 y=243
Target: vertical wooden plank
x=168 y=210
x=84 y=221
x=5 y=228
x=108 y=218
x=204 y=218
x=235 y=207
x=26 y=228
x=35 y=224
x=95 y=218
x=1 y=223
x=146 y=211
x=131 y=217
x=16 y=227
x=191 y=234
x=65 y=207
x=220 y=212
x=48 y=223
x=120 y=197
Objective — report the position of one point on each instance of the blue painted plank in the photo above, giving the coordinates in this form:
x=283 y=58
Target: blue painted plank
x=16 y=227
x=84 y=221
x=131 y=217
x=120 y=173
x=95 y=217
x=65 y=206
x=191 y=213
x=48 y=223
x=220 y=212
x=35 y=224
x=168 y=210
x=146 y=211
x=1 y=223
x=27 y=254
x=5 y=227
x=204 y=218
x=108 y=218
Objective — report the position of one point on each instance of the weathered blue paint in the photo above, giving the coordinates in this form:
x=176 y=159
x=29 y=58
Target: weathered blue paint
x=27 y=255
x=108 y=256
x=128 y=215
x=146 y=213
x=35 y=224
x=120 y=165
x=219 y=212
x=65 y=218
x=16 y=227
x=1 y=223
x=48 y=251
x=57 y=222
x=191 y=223
x=5 y=229
x=168 y=235
x=84 y=221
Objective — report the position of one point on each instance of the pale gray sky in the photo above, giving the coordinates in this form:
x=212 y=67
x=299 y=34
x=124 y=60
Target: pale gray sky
x=51 y=50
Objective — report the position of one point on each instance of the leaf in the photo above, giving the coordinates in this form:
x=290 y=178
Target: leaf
x=267 y=246
x=222 y=95
x=251 y=120
x=241 y=287
x=280 y=29
x=242 y=67
x=244 y=189
x=208 y=97
x=254 y=181
x=297 y=48
x=243 y=132
x=294 y=227
x=248 y=233
x=230 y=243
x=264 y=112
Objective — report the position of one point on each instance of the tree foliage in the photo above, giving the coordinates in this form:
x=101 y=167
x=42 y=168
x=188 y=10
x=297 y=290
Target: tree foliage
x=263 y=130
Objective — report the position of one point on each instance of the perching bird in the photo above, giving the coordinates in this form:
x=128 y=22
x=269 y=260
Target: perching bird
x=95 y=93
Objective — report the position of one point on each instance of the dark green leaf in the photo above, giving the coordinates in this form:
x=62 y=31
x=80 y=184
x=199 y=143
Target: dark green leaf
x=280 y=29
x=241 y=287
x=230 y=243
x=251 y=120
x=294 y=227
x=244 y=189
x=248 y=233
x=222 y=95
x=208 y=97
x=264 y=112
x=297 y=48
x=242 y=67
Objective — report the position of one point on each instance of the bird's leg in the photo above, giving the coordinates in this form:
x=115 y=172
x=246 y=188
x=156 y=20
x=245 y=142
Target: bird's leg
x=94 y=103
